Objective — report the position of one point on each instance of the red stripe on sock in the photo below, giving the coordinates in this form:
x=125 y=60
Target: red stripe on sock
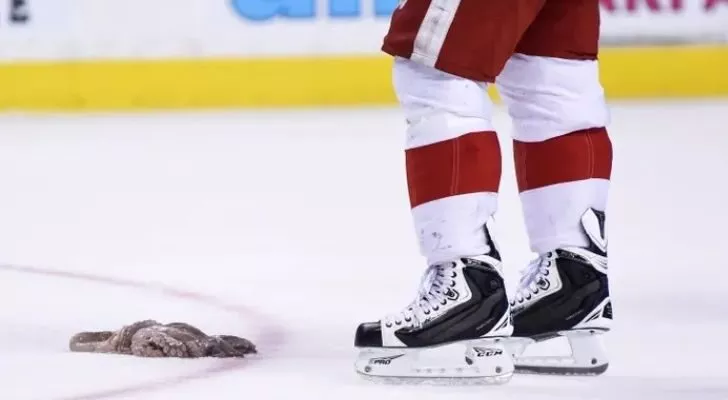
x=468 y=164
x=577 y=156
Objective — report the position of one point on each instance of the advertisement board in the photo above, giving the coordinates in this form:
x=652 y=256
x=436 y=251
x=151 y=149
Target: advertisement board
x=627 y=22
x=82 y=29
x=66 y=49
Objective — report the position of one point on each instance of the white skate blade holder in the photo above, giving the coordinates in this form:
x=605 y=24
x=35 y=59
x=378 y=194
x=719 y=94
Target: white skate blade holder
x=588 y=355
x=479 y=361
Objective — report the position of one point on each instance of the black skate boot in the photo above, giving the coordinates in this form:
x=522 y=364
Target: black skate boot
x=453 y=330
x=565 y=293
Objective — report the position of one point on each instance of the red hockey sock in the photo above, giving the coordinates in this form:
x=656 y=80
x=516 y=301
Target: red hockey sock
x=577 y=156
x=467 y=164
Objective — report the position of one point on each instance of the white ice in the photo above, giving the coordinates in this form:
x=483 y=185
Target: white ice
x=290 y=228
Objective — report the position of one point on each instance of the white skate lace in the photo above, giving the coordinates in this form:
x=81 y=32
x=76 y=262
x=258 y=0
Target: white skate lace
x=430 y=298
x=533 y=277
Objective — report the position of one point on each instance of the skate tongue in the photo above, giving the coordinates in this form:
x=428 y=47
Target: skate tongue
x=429 y=294
x=430 y=283
x=483 y=259
x=531 y=271
x=430 y=278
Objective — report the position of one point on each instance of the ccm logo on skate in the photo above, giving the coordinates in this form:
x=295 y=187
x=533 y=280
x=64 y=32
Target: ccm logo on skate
x=384 y=360
x=452 y=294
x=543 y=284
x=487 y=352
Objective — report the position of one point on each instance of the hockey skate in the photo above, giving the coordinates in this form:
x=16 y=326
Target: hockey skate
x=565 y=293
x=454 y=332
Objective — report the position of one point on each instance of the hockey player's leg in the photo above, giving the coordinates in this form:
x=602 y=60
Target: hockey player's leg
x=454 y=328
x=563 y=158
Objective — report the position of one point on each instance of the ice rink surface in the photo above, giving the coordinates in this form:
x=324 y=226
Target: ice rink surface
x=290 y=228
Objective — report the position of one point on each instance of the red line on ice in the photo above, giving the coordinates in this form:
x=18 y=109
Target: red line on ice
x=271 y=336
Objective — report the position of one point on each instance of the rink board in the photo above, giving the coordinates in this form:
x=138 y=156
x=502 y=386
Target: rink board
x=171 y=54
x=662 y=72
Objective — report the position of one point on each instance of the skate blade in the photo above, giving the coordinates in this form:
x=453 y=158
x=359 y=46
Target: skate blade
x=439 y=381
x=588 y=356
x=475 y=362
x=564 y=371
